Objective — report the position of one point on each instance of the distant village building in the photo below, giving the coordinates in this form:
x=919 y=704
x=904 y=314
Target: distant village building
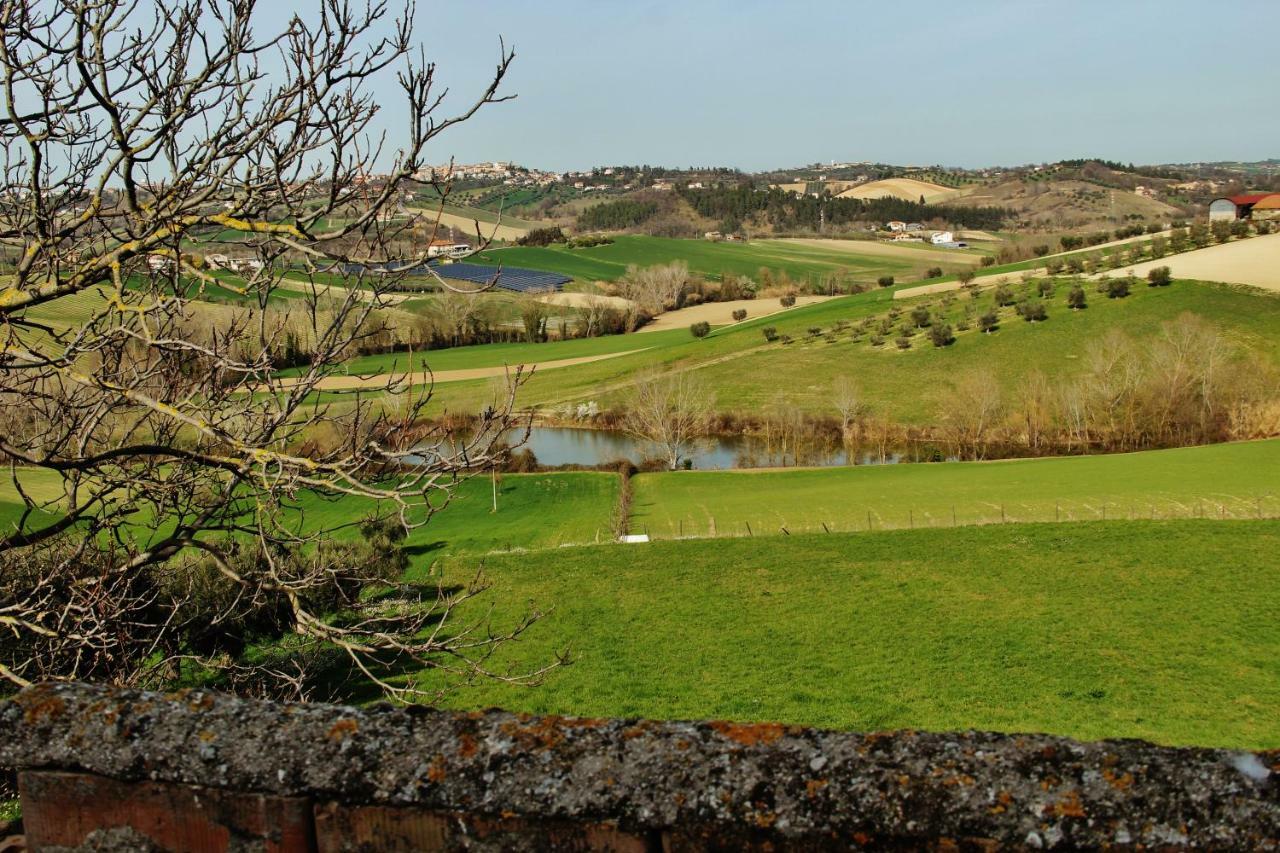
x=942 y=237
x=895 y=225
x=446 y=249
x=713 y=235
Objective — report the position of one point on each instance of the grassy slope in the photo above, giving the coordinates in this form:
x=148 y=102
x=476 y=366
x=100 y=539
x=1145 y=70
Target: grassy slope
x=747 y=374
x=1160 y=630
x=708 y=258
x=498 y=355
x=534 y=511
x=1235 y=480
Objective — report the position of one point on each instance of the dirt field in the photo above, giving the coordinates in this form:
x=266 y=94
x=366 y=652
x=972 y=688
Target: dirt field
x=580 y=300
x=720 y=313
x=875 y=248
x=373 y=383
x=908 y=189
x=1255 y=261
x=467 y=226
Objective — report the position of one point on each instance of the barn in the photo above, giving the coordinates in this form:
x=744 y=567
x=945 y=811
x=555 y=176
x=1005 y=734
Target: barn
x=1243 y=206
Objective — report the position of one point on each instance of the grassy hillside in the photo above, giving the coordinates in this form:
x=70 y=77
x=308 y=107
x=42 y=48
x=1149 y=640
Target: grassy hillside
x=1226 y=480
x=608 y=263
x=1159 y=630
x=747 y=373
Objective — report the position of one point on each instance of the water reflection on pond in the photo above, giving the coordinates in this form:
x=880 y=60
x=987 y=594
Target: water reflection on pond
x=556 y=446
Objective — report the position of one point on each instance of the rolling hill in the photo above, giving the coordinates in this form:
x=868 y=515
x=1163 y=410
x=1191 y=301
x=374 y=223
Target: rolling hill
x=907 y=189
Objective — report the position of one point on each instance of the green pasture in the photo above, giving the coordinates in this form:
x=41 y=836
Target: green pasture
x=508 y=354
x=1233 y=481
x=1161 y=630
x=747 y=374
x=800 y=262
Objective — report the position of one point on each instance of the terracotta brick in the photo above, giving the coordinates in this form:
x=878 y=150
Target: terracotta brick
x=64 y=809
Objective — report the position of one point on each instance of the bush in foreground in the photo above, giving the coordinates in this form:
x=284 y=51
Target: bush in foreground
x=1159 y=277
x=700 y=330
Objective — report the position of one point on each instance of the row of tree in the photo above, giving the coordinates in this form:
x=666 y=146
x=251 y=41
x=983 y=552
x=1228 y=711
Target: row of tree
x=787 y=211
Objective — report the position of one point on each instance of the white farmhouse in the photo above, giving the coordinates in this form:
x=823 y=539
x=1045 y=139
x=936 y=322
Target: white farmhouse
x=943 y=237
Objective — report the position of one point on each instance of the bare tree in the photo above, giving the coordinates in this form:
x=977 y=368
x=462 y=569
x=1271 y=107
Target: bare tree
x=656 y=288
x=671 y=410
x=973 y=409
x=155 y=155
x=847 y=399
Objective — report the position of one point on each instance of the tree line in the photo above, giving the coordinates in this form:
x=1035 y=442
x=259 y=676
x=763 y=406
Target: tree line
x=786 y=211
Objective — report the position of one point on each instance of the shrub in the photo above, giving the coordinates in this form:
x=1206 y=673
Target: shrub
x=700 y=330
x=987 y=261
x=963 y=325
x=989 y=322
x=885 y=281
x=1055 y=265
x=740 y=314
x=770 y=333
x=903 y=342
x=1076 y=299
x=1117 y=288
x=920 y=316
x=1004 y=295
x=1040 y=250
x=788 y=300
x=941 y=336
x=933 y=272
x=1159 y=277
x=877 y=340
x=814 y=331
x=1075 y=264
x=786 y=339
x=965 y=277
x=1045 y=288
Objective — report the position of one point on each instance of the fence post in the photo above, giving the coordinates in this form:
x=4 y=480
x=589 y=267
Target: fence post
x=748 y=524
x=868 y=519
x=1002 y=519
x=824 y=526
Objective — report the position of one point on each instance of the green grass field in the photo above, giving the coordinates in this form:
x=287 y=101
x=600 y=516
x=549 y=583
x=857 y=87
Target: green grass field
x=1158 y=630
x=1217 y=481
x=800 y=262
x=747 y=374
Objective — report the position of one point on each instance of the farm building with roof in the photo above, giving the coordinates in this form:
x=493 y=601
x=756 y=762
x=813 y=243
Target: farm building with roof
x=1245 y=206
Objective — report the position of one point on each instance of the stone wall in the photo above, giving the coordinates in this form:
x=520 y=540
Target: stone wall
x=120 y=769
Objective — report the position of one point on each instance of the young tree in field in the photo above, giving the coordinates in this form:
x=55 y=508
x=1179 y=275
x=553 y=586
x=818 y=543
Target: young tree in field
x=142 y=148
x=787 y=300
x=989 y=322
x=1159 y=277
x=700 y=329
x=1117 y=288
x=1076 y=299
x=739 y=314
x=965 y=277
x=940 y=335
x=670 y=410
x=885 y=281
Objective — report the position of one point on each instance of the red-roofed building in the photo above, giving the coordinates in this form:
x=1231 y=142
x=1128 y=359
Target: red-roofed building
x=1240 y=206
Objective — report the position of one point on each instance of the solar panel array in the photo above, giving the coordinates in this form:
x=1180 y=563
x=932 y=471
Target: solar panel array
x=508 y=278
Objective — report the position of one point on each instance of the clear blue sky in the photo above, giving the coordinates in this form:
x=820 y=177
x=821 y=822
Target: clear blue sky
x=757 y=85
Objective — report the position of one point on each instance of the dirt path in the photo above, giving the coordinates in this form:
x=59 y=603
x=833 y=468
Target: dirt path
x=375 y=381
x=721 y=313
x=876 y=248
x=1254 y=261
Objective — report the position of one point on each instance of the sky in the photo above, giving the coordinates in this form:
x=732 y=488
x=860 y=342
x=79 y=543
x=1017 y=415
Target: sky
x=761 y=85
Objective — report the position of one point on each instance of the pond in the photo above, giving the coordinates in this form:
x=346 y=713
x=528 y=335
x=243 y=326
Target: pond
x=557 y=446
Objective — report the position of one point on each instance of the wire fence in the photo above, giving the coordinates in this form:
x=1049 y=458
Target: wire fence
x=872 y=518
